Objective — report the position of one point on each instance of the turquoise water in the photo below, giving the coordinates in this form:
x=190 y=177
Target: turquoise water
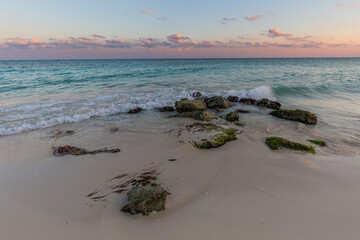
x=39 y=94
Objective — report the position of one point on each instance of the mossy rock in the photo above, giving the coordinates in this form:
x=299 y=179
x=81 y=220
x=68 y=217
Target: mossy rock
x=167 y=109
x=135 y=110
x=264 y=102
x=233 y=98
x=242 y=111
x=190 y=105
x=296 y=115
x=240 y=124
x=249 y=101
x=217 y=102
x=197 y=115
x=320 y=143
x=232 y=116
x=277 y=143
x=217 y=140
x=144 y=198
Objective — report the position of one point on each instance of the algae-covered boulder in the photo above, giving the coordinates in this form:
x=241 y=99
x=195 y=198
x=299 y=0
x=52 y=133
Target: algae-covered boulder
x=218 y=102
x=277 y=143
x=197 y=115
x=221 y=136
x=135 y=110
x=190 y=105
x=296 y=115
x=233 y=98
x=232 y=116
x=167 y=109
x=248 y=101
x=197 y=95
x=320 y=143
x=242 y=111
x=264 y=102
x=145 y=197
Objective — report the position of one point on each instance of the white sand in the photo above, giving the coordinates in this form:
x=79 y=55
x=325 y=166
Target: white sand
x=242 y=190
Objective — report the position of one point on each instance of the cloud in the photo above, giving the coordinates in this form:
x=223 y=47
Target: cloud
x=225 y=20
x=258 y=16
x=346 y=5
x=253 y=18
x=148 y=12
x=173 y=43
x=273 y=33
x=163 y=19
x=98 y=36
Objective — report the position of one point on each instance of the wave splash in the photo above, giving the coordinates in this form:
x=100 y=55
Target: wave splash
x=37 y=116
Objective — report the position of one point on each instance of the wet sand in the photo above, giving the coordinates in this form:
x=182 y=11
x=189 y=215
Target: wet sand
x=242 y=190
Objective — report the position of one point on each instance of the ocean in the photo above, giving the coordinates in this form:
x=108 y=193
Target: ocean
x=41 y=94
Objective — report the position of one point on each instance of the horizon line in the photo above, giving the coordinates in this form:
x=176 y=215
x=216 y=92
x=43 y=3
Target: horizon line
x=201 y=58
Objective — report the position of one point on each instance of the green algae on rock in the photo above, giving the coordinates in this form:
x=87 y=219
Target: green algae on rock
x=233 y=98
x=167 y=109
x=190 y=105
x=135 y=110
x=197 y=115
x=242 y=111
x=217 y=102
x=277 y=143
x=223 y=136
x=296 y=115
x=264 y=102
x=320 y=143
x=232 y=116
x=240 y=124
x=144 y=198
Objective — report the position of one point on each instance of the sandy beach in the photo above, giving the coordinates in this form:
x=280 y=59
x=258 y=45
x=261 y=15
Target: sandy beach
x=242 y=190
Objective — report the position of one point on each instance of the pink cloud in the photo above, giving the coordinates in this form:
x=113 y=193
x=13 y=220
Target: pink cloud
x=148 y=12
x=273 y=33
x=253 y=18
x=346 y=5
x=98 y=36
x=173 y=42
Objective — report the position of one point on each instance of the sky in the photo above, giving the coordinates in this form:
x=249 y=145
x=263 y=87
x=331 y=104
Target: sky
x=116 y=29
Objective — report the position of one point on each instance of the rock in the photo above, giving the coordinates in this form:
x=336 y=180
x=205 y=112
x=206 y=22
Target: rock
x=242 y=111
x=144 y=198
x=223 y=136
x=296 y=115
x=190 y=105
x=240 y=124
x=232 y=116
x=264 y=102
x=218 y=102
x=196 y=95
x=135 y=110
x=277 y=143
x=197 y=115
x=61 y=133
x=233 y=98
x=112 y=130
x=249 y=101
x=71 y=150
x=320 y=143
x=167 y=109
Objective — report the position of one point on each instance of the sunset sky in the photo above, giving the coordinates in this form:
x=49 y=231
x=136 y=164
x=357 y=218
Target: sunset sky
x=79 y=29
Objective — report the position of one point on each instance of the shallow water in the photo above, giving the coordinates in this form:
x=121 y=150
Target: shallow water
x=40 y=94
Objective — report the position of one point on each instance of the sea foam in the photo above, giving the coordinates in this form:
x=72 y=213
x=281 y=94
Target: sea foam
x=36 y=116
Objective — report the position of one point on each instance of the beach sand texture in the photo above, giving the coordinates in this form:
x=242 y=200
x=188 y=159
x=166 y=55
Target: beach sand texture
x=242 y=190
